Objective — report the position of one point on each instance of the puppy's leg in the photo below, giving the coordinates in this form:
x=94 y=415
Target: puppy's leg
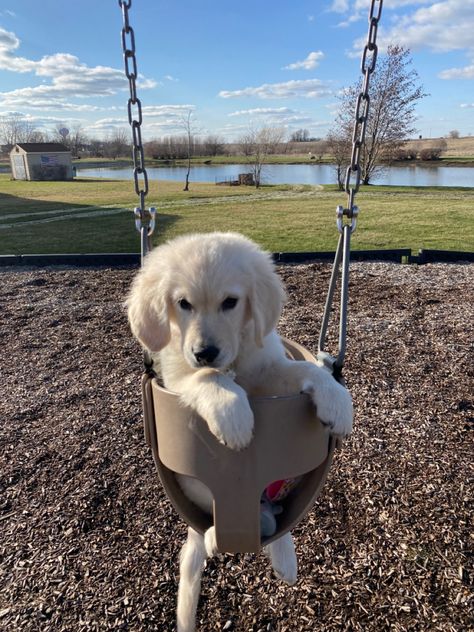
x=282 y=555
x=222 y=403
x=210 y=542
x=192 y=558
x=333 y=401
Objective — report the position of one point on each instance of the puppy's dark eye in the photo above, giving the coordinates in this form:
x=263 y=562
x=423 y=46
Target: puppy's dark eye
x=229 y=303
x=184 y=304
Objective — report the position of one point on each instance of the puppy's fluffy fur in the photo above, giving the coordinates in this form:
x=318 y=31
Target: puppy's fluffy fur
x=206 y=307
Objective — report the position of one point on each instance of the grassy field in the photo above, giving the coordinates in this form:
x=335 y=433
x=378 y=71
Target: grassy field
x=89 y=215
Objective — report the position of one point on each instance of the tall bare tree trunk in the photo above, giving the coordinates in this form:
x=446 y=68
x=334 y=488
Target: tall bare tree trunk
x=187 y=125
x=186 y=184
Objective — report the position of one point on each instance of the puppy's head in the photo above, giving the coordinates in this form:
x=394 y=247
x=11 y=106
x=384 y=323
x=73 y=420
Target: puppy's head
x=204 y=290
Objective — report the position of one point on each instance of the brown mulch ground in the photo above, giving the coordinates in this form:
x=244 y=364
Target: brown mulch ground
x=89 y=543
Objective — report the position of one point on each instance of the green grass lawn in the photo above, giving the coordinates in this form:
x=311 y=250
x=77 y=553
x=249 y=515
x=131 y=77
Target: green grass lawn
x=92 y=215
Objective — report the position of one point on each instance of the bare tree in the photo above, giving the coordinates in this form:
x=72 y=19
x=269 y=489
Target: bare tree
x=96 y=147
x=300 y=136
x=118 y=144
x=257 y=145
x=187 y=124
x=394 y=93
x=77 y=139
x=339 y=146
x=213 y=145
x=36 y=136
x=454 y=133
x=245 y=145
x=16 y=129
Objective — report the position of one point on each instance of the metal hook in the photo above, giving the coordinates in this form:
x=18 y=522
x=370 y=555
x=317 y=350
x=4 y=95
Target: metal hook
x=352 y=214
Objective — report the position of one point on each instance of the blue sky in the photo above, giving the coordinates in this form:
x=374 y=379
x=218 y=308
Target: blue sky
x=235 y=64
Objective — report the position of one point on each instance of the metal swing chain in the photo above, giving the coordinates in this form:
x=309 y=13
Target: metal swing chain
x=346 y=228
x=144 y=218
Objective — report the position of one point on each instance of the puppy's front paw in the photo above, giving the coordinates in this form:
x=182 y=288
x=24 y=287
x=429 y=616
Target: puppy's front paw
x=334 y=406
x=231 y=420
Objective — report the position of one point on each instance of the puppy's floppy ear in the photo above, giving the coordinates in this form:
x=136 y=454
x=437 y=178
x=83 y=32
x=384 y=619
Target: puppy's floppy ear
x=267 y=297
x=147 y=306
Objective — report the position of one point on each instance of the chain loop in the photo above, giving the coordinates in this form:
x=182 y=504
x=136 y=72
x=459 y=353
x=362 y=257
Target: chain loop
x=127 y=30
x=144 y=218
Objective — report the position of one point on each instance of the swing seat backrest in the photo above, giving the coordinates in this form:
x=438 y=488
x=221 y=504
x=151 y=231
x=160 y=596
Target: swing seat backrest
x=289 y=441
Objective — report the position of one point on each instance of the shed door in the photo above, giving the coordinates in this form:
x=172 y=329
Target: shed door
x=19 y=167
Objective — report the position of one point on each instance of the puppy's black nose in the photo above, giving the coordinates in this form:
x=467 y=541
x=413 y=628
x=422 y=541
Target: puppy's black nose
x=207 y=355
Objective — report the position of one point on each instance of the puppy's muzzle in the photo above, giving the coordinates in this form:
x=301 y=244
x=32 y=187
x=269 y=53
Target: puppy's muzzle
x=207 y=355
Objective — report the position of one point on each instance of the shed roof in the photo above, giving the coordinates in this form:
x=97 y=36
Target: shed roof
x=41 y=147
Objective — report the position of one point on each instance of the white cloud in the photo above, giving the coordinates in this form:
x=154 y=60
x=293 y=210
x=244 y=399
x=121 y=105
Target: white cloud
x=458 y=73
x=284 y=117
x=233 y=132
x=340 y=6
x=8 y=41
x=311 y=61
x=109 y=122
x=359 y=9
x=262 y=112
x=17 y=114
x=443 y=26
x=47 y=104
x=165 y=126
x=165 y=119
x=354 y=11
x=167 y=110
x=309 y=88
x=69 y=78
x=104 y=127
x=274 y=116
x=467 y=105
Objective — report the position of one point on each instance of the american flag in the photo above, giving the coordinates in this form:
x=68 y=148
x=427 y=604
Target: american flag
x=49 y=161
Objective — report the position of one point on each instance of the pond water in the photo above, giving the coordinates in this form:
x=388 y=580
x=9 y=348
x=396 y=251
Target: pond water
x=411 y=175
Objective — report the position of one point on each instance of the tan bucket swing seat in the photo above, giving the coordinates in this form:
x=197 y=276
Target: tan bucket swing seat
x=289 y=441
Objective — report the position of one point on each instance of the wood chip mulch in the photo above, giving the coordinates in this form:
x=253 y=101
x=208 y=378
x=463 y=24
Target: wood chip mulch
x=88 y=542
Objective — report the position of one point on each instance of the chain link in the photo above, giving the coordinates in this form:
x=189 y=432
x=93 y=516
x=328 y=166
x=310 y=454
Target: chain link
x=361 y=116
x=144 y=218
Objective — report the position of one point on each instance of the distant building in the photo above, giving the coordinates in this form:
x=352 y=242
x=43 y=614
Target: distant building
x=41 y=161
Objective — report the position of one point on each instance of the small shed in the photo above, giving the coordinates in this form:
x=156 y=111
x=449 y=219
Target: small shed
x=41 y=161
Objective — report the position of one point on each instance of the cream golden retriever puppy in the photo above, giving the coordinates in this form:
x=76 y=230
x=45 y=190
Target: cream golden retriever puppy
x=206 y=307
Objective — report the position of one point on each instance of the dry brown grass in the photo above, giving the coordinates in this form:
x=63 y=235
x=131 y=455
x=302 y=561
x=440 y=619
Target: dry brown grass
x=456 y=147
